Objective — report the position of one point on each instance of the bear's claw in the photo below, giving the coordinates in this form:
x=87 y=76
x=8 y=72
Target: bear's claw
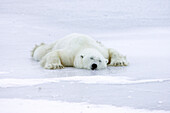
x=54 y=66
x=119 y=62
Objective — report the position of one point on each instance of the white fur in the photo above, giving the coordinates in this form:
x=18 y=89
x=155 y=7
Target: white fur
x=78 y=50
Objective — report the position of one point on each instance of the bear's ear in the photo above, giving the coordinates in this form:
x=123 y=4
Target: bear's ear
x=81 y=56
x=106 y=61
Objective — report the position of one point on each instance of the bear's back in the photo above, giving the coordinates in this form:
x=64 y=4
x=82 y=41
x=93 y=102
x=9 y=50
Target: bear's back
x=75 y=41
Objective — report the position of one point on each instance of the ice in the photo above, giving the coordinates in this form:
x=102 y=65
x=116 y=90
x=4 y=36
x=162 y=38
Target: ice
x=140 y=29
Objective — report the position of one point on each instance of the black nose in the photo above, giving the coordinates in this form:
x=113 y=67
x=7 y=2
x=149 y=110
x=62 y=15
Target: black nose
x=93 y=66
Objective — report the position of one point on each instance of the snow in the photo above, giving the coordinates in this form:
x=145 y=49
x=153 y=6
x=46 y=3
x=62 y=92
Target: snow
x=78 y=79
x=136 y=28
x=44 y=106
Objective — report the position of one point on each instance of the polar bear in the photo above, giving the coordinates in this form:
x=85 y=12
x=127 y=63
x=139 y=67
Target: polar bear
x=77 y=50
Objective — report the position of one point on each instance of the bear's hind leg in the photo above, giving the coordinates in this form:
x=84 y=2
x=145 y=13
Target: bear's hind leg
x=116 y=59
x=41 y=50
x=51 y=60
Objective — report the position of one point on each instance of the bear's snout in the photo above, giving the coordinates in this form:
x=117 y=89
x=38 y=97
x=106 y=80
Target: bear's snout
x=93 y=66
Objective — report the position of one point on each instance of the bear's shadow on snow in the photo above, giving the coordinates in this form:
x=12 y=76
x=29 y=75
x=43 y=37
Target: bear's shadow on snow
x=71 y=71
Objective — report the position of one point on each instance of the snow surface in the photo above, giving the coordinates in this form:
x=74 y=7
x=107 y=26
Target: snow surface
x=78 y=79
x=138 y=28
x=45 y=106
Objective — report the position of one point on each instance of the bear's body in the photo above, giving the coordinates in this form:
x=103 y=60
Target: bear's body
x=78 y=50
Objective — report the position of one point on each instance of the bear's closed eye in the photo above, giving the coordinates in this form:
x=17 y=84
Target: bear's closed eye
x=91 y=58
x=81 y=56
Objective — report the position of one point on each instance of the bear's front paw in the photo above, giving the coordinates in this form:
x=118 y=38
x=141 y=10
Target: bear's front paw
x=54 y=66
x=121 y=61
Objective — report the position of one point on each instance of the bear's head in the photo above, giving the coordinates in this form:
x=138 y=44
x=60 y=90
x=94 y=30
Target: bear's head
x=90 y=59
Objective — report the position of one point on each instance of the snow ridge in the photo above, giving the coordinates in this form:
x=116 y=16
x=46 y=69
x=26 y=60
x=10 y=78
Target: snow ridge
x=78 y=79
